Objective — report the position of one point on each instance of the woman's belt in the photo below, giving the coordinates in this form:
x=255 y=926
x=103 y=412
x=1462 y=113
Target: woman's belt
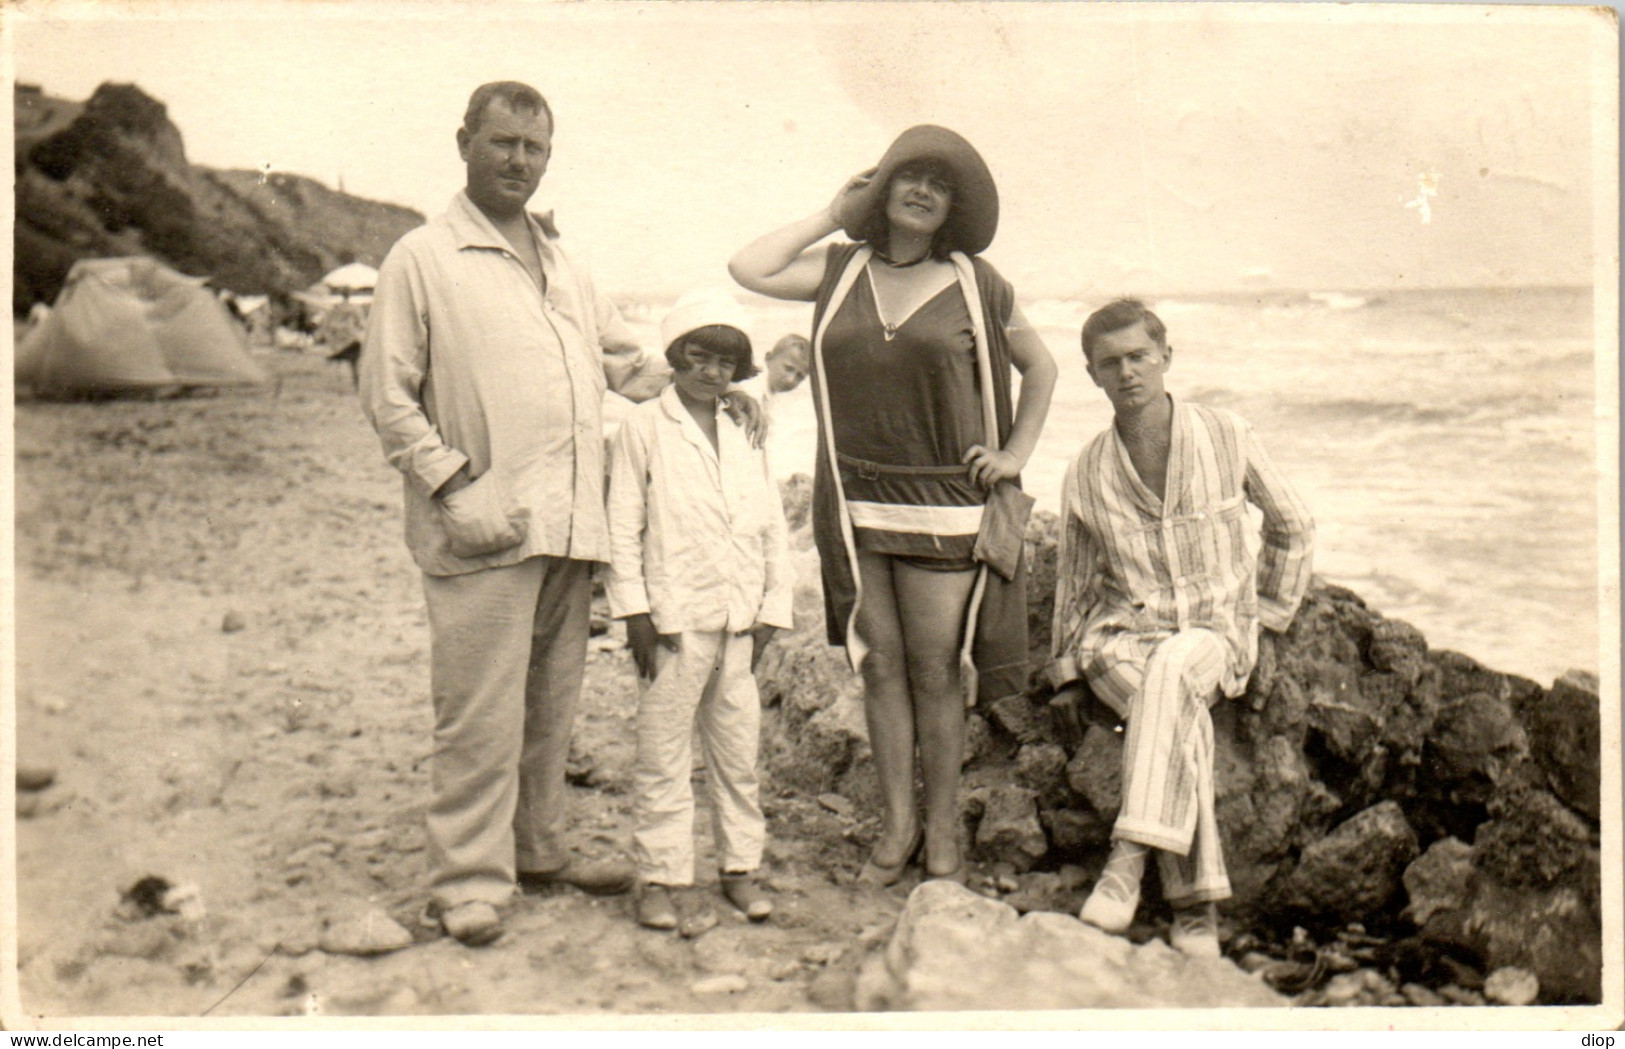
x=872 y=471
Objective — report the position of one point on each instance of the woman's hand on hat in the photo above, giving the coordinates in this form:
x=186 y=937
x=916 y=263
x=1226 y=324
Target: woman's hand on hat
x=853 y=186
x=988 y=466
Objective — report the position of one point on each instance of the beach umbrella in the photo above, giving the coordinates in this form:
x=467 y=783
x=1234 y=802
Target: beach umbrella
x=351 y=278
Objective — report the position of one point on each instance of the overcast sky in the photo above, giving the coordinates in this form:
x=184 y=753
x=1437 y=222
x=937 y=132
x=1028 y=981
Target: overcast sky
x=1148 y=148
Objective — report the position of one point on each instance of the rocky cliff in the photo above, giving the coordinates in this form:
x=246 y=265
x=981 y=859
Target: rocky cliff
x=110 y=177
x=1394 y=817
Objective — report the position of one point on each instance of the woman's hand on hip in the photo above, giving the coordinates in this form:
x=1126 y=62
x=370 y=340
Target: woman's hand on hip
x=988 y=467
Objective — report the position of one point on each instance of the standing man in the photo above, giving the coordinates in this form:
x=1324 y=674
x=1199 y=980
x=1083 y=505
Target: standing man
x=1158 y=605
x=487 y=354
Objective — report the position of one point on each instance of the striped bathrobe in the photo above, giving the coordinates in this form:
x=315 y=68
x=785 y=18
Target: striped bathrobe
x=1158 y=604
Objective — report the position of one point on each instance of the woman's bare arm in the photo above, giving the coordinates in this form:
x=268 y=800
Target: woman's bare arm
x=1037 y=367
x=781 y=264
x=1038 y=371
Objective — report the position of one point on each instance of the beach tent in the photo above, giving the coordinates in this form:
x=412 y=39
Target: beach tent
x=132 y=324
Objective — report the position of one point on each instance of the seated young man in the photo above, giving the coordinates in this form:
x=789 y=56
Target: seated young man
x=1158 y=605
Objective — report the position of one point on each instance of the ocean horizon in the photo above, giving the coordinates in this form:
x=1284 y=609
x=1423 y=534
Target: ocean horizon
x=1445 y=440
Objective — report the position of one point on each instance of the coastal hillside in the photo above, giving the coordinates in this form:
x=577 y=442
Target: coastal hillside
x=109 y=176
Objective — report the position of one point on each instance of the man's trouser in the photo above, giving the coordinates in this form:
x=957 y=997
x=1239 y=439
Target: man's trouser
x=508 y=647
x=1165 y=684
x=708 y=681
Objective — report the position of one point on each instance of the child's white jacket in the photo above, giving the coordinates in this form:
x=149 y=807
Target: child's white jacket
x=697 y=535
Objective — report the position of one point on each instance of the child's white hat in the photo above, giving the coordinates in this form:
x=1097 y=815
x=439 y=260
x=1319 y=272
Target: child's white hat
x=701 y=308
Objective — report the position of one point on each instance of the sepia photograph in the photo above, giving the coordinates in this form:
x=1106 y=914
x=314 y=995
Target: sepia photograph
x=776 y=514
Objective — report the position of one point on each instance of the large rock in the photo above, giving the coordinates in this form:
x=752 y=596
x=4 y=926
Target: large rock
x=1552 y=933
x=1095 y=772
x=1009 y=830
x=829 y=752
x=955 y=950
x=1533 y=841
x=1564 y=728
x=1356 y=870
x=1017 y=716
x=1439 y=880
x=1072 y=831
x=1533 y=898
x=1268 y=805
x=1041 y=768
x=1397 y=647
x=1475 y=744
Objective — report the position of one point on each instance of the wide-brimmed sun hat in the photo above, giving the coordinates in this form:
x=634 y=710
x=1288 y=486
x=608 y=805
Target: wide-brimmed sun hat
x=974 y=217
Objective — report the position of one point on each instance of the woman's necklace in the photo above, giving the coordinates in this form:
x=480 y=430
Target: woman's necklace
x=894 y=264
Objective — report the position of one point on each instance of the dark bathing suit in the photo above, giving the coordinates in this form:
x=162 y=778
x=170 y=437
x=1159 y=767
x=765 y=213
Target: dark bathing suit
x=905 y=409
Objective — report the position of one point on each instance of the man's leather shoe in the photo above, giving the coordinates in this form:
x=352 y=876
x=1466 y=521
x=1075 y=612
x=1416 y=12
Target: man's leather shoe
x=602 y=878
x=473 y=923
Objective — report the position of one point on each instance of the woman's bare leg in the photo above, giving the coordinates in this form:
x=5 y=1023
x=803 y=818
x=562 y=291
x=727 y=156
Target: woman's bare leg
x=931 y=612
x=887 y=709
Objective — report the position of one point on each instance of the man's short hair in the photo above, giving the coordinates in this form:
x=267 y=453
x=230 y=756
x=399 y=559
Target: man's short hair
x=1117 y=315
x=723 y=339
x=521 y=98
x=790 y=342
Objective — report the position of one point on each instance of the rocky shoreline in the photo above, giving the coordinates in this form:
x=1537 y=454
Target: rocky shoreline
x=1403 y=826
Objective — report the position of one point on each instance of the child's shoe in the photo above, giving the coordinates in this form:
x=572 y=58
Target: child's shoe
x=696 y=915
x=655 y=909
x=744 y=893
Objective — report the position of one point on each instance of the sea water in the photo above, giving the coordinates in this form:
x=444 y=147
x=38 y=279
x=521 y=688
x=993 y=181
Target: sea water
x=1444 y=440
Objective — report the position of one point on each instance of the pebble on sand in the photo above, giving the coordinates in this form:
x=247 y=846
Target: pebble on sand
x=836 y=804
x=369 y=933
x=1512 y=986
x=727 y=983
x=186 y=901
x=233 y=622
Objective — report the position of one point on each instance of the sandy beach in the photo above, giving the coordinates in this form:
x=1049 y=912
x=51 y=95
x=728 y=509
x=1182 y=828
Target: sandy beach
x=222 y=653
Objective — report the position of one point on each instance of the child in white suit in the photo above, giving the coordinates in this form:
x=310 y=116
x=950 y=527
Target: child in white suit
x=699 y=571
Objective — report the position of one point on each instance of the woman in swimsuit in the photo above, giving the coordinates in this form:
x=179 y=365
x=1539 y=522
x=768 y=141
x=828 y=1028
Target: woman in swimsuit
x=914 y=338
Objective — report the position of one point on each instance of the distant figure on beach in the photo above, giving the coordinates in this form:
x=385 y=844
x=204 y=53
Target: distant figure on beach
x=1158 y=606
x=486 y=356
x=786 y=368
x=342 y=329
x=787 y=364
x=919 y=452
x=699 y=570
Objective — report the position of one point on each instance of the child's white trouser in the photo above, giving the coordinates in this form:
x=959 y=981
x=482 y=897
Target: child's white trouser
x=1168 y=757
x=707 y=682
